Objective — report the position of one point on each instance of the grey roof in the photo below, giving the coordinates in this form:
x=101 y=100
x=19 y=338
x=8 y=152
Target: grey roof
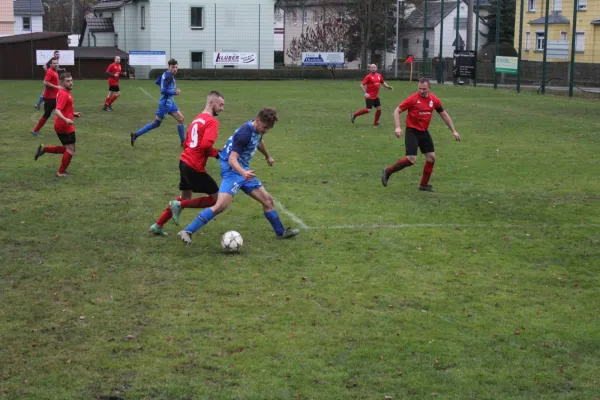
x=416 y=19
x=595 y=21
x=28 y=7
x=99 y=24
x=108 y=4
x=104 y=53
x=553 y=18
x=26 y=37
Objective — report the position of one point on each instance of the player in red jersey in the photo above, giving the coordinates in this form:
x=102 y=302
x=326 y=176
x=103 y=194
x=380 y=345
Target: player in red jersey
x=420 y=107
x=114 y=73
x=370 y=86
x=63 y=125
x=193 y=178
x=52 y=88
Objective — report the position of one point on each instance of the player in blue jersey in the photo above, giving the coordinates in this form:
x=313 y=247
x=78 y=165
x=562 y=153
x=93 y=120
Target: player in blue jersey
x=236 y=174
x=166 y=104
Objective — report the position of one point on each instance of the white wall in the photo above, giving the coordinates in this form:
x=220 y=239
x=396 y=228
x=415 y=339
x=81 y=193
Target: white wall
x=36 y=24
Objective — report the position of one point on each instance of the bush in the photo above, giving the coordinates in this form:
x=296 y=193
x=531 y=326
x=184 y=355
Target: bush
x=263 y=74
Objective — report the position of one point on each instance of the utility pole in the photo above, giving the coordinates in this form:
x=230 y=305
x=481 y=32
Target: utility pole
x=470 y=25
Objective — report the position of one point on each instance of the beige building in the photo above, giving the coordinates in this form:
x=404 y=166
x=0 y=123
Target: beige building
x=7 y=18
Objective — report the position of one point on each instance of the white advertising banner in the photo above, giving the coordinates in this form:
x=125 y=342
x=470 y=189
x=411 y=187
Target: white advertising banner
x=322 y=59
x=147 y=57
x=67 y=57
x=234 y=58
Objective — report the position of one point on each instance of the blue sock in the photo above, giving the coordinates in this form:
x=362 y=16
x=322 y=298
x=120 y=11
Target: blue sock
x=202 y=219
x=41 y=99
x=148 y=127
x=273 y=218
x=181 y=131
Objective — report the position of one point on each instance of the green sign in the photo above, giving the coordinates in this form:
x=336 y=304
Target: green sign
x=507 y=65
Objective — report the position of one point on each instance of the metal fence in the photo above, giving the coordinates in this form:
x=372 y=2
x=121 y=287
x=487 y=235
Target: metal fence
x=554 y=42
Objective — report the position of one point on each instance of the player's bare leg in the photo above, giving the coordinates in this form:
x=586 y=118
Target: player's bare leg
x=264 y=198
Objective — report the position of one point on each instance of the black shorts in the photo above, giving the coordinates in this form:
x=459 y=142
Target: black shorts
x=197 y=182
x=66 y=138
x=415 y=139
x=49 y=106
x=114 y=88
x=372 y=102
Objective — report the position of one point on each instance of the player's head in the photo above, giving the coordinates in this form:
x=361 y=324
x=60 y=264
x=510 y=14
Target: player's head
x=215 y=102
x=66 y=80
x=265 y=120
x=54 y=63
x=173 y=66
x=117 y=60
x=57 y=54
x=424 y=87
x=372 y=68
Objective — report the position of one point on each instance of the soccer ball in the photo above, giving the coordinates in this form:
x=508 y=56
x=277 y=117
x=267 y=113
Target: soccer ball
x=232 y=241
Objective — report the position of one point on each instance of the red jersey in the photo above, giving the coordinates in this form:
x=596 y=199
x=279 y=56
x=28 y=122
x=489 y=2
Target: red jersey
x=419 y=110
x=373 y=82
x=198 y=146
x=64 y=103
x=52 y=77
x=114 y=69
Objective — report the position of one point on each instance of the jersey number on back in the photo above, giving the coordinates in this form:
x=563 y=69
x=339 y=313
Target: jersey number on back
x=194 y=142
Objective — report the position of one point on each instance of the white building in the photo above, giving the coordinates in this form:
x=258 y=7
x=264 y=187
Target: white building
x=411 y=42
x=190 y=32
x=28 y=16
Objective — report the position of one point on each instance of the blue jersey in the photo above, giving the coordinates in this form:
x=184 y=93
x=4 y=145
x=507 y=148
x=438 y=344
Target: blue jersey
x=244 y=141
x=167 y=85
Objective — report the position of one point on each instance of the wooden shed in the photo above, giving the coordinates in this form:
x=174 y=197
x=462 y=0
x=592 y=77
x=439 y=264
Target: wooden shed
x=91 y=62
x=17 y=53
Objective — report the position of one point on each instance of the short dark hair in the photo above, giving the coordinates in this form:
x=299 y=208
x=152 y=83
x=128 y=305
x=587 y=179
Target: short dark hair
x=65 y=75
x=216 y=93
x=424 y=80
x=268 y=116
x=56 y=51
x=173 y=61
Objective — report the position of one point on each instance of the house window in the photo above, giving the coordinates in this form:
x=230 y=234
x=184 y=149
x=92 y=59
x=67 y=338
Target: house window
x=197 y=59
x=530 y=5
x=462 y=23
x=197 y=18
x=563 y=35
x=26 y=23
x=579 y=41
x=539 y=41
x=582 y=5
x=527 y=37
x=557 y=5
x=143 y=17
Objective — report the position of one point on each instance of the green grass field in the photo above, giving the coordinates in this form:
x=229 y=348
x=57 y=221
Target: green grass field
x=486 y=289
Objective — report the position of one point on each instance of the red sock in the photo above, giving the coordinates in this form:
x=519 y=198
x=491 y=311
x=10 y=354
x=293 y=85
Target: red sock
x=199 y=202
x=361 y=112
x=107 y=101
x=400 y=164
x=427 y=170
x=377 y=115
x=112 y=100
x=39 y=125
x=166 y=215
x=55 y=149
x=66 y=160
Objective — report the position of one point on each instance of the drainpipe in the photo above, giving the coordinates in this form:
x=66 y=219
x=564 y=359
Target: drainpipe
x=94 y=36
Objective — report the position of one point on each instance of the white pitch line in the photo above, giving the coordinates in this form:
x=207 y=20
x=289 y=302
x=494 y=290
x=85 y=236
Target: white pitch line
x=462 y=226
x=289 y=214
x=147 y=94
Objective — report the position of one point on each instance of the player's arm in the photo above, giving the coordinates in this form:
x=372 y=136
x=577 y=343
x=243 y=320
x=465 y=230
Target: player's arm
x=397 y=113
x=262 y=147
x=50 y=84
x=234 y=163
x=109 y=72
x=60 y=115
x=448 y=121
x=164 y=89
x=208 y=140
x=385 y=85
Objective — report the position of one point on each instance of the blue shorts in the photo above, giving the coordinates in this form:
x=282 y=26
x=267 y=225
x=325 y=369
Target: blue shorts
x=166 y=108
x=232 y=181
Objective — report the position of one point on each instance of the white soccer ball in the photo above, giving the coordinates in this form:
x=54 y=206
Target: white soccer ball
x=232 y=241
